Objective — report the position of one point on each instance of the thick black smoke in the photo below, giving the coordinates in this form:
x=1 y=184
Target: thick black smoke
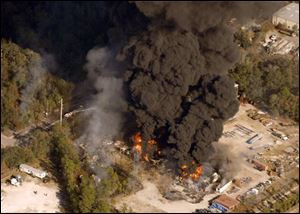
x=172 y=90
x=68 y=30
x=179 y=90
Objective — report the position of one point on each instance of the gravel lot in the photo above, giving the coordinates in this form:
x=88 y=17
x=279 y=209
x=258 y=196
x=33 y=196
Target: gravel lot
x=22 y=199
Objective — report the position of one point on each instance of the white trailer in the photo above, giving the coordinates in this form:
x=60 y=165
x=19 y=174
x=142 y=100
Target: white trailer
x=224 y=187
x=33 y=171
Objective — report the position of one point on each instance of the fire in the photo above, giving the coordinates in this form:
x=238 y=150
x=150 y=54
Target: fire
x=184 y=167
x=137 y=138
x=195 y=175
x=138 y=148
x=184 y=173
x=152 y=142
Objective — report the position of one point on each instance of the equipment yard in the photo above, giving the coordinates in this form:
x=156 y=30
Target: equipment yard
x=255 y=166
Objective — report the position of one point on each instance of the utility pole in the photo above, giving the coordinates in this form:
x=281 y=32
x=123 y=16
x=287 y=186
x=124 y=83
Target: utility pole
x=61 y=110
x=47 y=108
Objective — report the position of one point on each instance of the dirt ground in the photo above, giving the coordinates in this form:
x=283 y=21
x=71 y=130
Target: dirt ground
x=7 y=141
x=149 y=200
x=22 y=199
x=295 y=209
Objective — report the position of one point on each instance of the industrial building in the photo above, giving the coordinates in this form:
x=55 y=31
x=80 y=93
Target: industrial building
x=33 y=171
x=288 y=16
x=224 y=203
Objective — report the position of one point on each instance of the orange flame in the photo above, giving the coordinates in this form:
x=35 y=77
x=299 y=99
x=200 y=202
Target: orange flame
x=195 y=176
x=137 y=138
x=152 y=142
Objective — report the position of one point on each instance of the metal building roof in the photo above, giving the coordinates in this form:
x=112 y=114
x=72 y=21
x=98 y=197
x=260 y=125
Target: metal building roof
x=226 y=201
x=289 y=12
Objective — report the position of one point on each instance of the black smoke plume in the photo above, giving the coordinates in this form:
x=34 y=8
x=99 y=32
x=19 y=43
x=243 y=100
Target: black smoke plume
x=180 y=93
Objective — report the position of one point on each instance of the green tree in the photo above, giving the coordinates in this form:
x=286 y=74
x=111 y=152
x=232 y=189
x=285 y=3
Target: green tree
x=277 y=73
x=285 y=103
x=87 y=195
x=110 y=185
x=102 y=206
x=16 y=74
x=14 y=156
x=249 y=79
x=244 y=38
x=40 y=144
x=272 y=82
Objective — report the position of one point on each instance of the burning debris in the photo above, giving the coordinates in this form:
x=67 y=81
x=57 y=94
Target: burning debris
x=194 y=175
x=139 y=153
x=192 y=187
x=137 y=138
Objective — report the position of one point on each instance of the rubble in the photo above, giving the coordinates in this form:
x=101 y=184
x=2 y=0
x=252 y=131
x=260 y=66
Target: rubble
x=242 y=181
x=289 y=150
x=233 y=189
x=258 y=165
x=188 y=193
x=204 y=211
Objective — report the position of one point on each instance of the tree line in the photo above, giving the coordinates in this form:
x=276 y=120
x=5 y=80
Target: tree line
x=55 y=148
x=271 y=83
x=22 y=85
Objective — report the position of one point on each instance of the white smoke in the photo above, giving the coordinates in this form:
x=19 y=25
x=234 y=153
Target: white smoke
x=106 y=119
x=37 y=71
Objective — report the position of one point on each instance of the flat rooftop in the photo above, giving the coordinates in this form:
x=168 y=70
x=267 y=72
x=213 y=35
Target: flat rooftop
x=289 y=12
x=226 y=201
